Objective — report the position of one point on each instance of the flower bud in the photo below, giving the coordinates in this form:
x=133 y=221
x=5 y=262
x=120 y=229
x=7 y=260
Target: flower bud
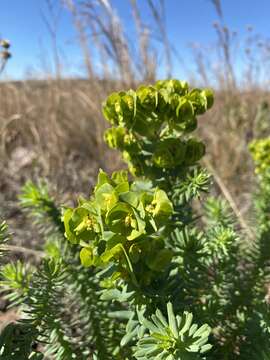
x=5 y=43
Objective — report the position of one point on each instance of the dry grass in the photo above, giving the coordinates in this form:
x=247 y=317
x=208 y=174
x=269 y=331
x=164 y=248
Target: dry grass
x=47 y=126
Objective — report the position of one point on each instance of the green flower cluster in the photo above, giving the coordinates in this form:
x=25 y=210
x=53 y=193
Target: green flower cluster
x=121 y=224
x=260 y=151
x=151 y=125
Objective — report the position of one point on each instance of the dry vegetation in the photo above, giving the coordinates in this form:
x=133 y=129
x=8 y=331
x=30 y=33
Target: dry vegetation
x=53 y=128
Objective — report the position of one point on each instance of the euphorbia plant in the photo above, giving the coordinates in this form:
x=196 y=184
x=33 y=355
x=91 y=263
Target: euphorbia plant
x=128 y=270
x=125 y=227
x=125 y=223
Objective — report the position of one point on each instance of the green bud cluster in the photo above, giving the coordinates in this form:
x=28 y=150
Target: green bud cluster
x=121 y=224
x=260 y=151
x=152 y=125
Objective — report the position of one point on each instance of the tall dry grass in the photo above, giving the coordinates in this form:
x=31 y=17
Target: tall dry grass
x=53 y=128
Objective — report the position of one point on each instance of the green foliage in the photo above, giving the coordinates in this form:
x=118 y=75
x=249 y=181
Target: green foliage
x=137 y=247
x=175 y=338
x=196 y=182
x=15 y=281
x=41 y=207
x=4 y=237
x=16 y=339
x=45 y=303
x=16 y=342
x=217 y=212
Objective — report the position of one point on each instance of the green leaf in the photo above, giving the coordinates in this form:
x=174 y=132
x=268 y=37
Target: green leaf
x=172 y=320
x=163 y=206
x=103 y=178
x=86 y=256
x=130 y=198
x=68 y=233
x=114 y=252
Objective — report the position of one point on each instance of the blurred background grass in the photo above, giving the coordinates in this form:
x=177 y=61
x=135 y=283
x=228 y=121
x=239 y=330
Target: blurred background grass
x=53 y=128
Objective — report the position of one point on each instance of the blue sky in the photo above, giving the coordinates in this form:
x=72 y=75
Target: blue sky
x=187 y=21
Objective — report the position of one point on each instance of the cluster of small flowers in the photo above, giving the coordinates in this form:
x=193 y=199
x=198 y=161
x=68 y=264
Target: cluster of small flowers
x=121 y=224
x=151 y=125
x=260 y=151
